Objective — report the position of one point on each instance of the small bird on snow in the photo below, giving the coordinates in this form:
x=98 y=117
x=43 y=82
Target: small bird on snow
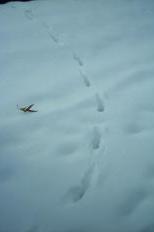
x=27 y=108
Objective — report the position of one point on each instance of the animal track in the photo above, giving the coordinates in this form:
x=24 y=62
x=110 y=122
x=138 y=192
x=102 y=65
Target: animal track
x=52 y=34
x=99 y=102
x=85 y=79
x=96 y=138
x=76 y=193
x=77 y=59
x=29 y=14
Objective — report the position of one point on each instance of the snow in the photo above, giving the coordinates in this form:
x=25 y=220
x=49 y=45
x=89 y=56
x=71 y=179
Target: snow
x=84 y=161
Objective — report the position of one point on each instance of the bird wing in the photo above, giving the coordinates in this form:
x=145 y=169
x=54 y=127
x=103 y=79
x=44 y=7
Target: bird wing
x=32 y=110
x=28 y=108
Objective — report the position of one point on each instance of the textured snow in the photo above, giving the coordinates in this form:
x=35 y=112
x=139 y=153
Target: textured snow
x=84 y=162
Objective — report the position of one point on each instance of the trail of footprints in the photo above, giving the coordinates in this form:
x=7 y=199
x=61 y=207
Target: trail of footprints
x=76 y=193
x=55 y=38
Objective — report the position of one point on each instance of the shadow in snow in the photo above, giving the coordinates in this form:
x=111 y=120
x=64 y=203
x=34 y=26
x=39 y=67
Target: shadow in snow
x=136 y=78
x=133 y=128
x=149 y=228
x=33 y=229
x=6 y=173
x=133 y=201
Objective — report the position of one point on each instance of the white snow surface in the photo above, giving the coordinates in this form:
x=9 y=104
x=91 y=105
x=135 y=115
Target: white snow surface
x=84 y=162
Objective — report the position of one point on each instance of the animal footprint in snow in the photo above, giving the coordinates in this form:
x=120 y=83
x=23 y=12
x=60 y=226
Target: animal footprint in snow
x=76 y=193
x=99 y=102
x=53 y=36
x=29 y=14
x=77 y=59
x=85 y=79
x=96 y=138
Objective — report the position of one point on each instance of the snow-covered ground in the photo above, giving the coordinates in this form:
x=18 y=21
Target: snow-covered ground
x=84 y=162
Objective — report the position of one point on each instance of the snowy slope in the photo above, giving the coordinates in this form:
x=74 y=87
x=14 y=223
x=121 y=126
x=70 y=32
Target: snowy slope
x=84 y=161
